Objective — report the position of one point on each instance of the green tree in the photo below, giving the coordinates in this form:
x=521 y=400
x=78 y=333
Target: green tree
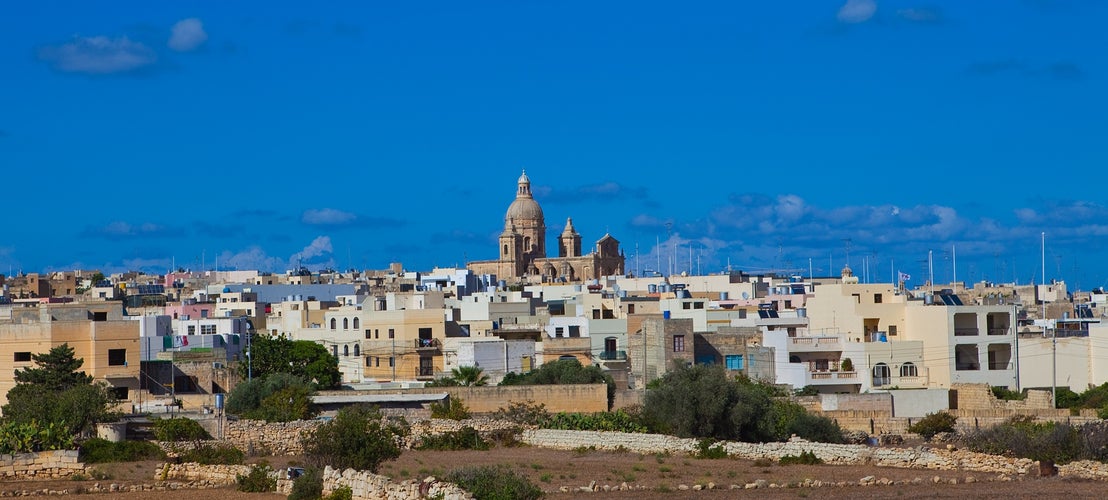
x=303 y=358
x=564 y=371
x=279 y=397
x=357 y=438
x=55 y=394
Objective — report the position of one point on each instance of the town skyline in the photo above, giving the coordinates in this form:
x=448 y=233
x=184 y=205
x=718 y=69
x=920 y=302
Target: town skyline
x=139 y=137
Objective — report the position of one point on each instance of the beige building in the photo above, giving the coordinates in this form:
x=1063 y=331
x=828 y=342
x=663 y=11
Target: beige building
x=523 y=247
x=98 y=333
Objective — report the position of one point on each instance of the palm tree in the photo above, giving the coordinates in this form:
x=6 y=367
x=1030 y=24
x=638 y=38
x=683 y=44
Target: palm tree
x=469 y=376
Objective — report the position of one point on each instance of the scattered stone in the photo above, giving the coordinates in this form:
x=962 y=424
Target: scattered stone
x=697 y=487
x=683 y=487
x=761 y=483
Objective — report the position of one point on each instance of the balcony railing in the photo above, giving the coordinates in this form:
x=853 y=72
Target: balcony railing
x=832 y=377
x=425 y=371
x=428 y=344
x=613 y=355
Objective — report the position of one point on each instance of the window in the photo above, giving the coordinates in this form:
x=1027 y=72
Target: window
x=392 y=361
x=558 y=331
x=574 y=331
x=686 y=305
x=698 y=305
x=966 y=357
x=892 y=330
x=881 y=374
x=117 y=357
x=734 y=361
x=345 y=323
x=99 y=316
x=357 y=350
x=369 y=361
x=876 y=298
x=346 y=350
x=356 y=323
x=192 y=330
x=678 y=343
x=207 y=329
x=630 y=308
x=22 y=357
x=392 y=333
x=367 y=334
x=335 y=351
x=204 y=313
x=908 y=370
x=334 y=324
x=120 y=392
x=596 y=314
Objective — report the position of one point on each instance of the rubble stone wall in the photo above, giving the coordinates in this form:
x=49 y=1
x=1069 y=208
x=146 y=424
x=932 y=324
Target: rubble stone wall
x=40 y=465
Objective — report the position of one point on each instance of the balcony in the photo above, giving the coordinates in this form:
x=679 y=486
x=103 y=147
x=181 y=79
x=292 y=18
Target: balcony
x=425 y=372
x=832 y=378
x=428 y=344
x=613 y=355
x=815 y=344
x=964 y=331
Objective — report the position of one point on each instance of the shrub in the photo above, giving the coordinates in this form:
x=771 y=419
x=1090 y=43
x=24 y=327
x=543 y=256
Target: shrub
x=207 y=454
x=847 y=365
x=467 y=438
x=933 y=423
x=618 y=421
x=453 y=409
x=179 y=429
x=1005 y=394
x=341 y=493
x=808 y=390
x=710 y=449
x=357 y=438
x=805 y=458
x=258 y=480
x=96 y=450
x=564 y=371
x=259 y=399
x=525 y=413
x=497 y=482
x=309 y=486
x=1024 y=437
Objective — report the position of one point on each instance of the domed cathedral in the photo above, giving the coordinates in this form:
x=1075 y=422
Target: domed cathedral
x=523 y=247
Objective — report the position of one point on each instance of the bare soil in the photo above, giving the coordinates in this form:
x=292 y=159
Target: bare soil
x=658 y=476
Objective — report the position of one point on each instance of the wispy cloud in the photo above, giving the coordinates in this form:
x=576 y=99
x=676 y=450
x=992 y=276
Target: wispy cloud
x=857 y=11
x=333 y=217
x=605 y=192
x=921 y=14
x=187 y=35
x=98 y=55
x=120 y=230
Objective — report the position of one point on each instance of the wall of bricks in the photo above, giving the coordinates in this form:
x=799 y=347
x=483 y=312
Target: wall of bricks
x=41 y=465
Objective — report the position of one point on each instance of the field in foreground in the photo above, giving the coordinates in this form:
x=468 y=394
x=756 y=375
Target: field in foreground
x=661 y=476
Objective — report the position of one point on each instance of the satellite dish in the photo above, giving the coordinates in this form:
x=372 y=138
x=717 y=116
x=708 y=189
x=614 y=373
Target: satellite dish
x=746 y=295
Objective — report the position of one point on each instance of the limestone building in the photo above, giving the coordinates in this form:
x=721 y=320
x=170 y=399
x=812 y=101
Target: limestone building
x=522 y=247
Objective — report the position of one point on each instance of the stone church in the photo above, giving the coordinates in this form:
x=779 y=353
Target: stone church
x=523 y=248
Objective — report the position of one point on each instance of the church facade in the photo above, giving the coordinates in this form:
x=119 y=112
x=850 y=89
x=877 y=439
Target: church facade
x=522 y=247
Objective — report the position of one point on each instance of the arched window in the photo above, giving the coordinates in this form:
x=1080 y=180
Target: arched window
x=357 y=350
x=346 y=350
x=908 y=370
x=505 y=249
x=356 y=322
x=334 y=324
x=881 y=374
x=794 y=359
x=345 y=323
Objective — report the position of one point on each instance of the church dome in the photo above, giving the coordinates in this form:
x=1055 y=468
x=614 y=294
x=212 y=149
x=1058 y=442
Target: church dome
x=524 y=209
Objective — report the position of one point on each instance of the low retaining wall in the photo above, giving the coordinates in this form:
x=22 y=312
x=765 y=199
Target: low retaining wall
x=41 y=465
x=211 y=476
x=369 y=486
x=256 y=437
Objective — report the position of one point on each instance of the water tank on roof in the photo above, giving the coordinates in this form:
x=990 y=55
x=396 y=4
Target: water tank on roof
x=226 y=289
x=684 y=294
x=802 y=312
x=623 y=294
x=723 y=296
x=652 y=288
x=665 y=314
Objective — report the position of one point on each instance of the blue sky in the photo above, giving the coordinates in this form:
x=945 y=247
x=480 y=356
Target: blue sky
x=764 y=134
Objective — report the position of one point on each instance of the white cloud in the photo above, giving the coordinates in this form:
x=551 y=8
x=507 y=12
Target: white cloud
x=319 y=246
x=327 y=217
x=98 y=55
x=857 y=11
x=187 y=34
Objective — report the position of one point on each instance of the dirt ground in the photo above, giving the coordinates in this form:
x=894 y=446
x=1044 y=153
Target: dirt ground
x=661 y=476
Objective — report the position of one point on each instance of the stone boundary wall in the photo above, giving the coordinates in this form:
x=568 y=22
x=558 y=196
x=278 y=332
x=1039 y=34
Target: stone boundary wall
x=366 y=485
x=980 y=397
x=583 y=398
x=41 y=465
x=209 y=476
x=912 y=458
x=256 y=437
